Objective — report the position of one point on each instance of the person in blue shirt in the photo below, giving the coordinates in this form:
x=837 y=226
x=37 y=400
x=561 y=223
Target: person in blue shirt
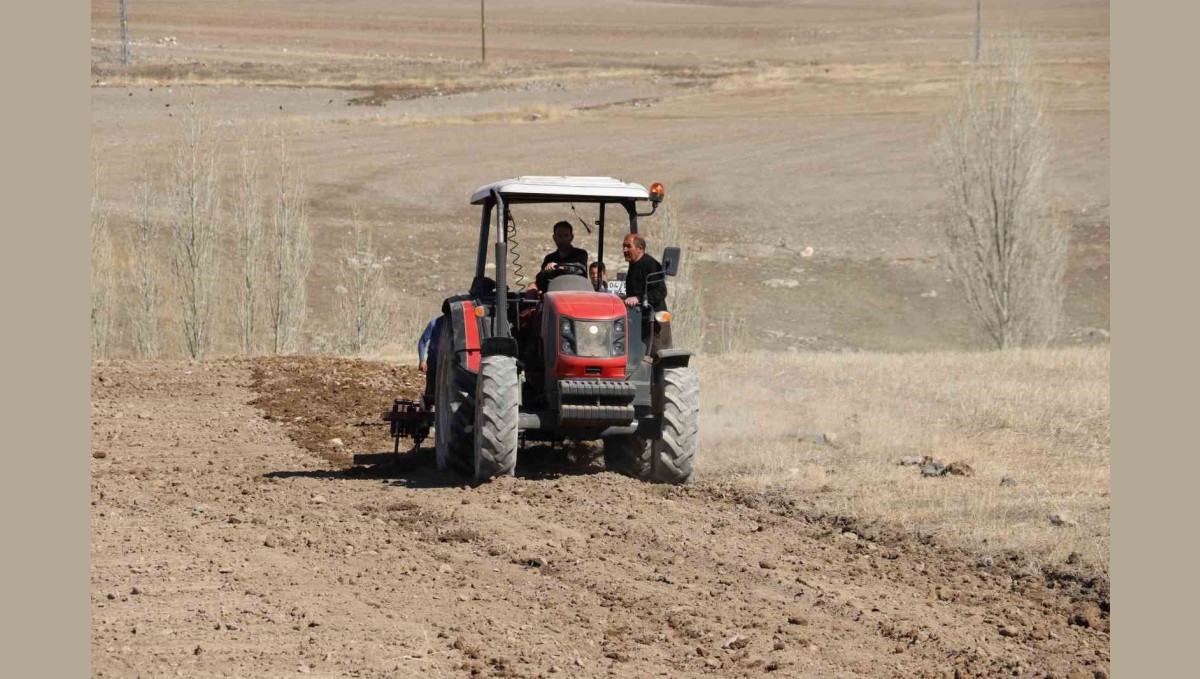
x=427 y=348
x=427 y=345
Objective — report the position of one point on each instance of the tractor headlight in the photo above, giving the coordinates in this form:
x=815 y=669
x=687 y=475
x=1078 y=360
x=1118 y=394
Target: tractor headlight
x=566 y=330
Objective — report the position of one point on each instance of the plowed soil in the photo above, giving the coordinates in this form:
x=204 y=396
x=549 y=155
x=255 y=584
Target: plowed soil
x=232 y=537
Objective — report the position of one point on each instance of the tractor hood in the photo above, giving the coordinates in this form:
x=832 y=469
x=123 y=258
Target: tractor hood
x=591 y=306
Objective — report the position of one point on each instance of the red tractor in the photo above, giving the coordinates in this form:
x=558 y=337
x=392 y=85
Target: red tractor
x=575 y=363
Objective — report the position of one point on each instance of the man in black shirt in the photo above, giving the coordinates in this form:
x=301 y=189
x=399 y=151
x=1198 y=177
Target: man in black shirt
x=564 y=252
x=654 y=293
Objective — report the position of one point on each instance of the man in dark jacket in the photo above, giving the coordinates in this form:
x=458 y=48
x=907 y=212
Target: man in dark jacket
x=637 y=289
x=564 y=252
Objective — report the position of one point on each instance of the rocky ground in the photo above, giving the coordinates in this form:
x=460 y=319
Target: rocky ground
x=232 y=535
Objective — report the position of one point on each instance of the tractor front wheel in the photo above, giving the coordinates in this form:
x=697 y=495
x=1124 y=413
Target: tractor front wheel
x=671 y=457
x=497 y=406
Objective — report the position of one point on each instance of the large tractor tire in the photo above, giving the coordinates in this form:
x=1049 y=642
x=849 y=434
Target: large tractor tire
x=671 y=457
x=497 y=406
x=454 y=410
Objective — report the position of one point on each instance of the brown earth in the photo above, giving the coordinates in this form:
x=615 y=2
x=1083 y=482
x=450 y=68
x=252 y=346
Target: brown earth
x=230 y=538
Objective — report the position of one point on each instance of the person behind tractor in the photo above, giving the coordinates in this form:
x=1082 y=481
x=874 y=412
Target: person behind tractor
x=563 y=253
x=598 y=275
x=427 y=348
x=638 y=290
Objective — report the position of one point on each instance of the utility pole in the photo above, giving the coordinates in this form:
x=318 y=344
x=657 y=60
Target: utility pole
x=124 y=11
x=482 y=34
x=978 y=25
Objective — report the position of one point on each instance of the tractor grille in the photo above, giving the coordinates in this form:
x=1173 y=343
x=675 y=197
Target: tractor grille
x=568 y=414
x=598 y=402
x=599 y=389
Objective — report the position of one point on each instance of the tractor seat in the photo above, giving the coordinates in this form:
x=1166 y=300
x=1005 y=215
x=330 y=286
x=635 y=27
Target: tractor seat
x=569 y=282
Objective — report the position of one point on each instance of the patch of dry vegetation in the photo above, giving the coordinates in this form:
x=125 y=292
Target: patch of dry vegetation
x=381 y=78
x=523 y=114
x=1038 y=417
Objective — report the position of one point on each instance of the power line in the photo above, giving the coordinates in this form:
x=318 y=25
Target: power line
x=978 y=25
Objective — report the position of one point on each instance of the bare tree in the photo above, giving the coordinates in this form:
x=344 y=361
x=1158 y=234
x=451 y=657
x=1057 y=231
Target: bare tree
x=249 y=248
x=1005 y=247
x=361 y=308
x=103 y=290
x=145 y=274
x=194 y=210
x=291 y=255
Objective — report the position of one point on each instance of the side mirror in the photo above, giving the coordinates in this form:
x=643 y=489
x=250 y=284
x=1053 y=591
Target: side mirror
x=670 y=260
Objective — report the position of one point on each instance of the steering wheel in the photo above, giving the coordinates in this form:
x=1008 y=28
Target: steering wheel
x=568 y=268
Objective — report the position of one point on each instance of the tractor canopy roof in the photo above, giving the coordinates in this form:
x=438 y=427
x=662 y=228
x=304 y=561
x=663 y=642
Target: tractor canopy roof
x=561 y=190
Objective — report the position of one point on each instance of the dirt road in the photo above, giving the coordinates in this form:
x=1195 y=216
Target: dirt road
x=231 y=539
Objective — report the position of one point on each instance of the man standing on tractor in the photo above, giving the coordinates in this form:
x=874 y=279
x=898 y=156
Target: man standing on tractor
x=564 y=253
x=637 y=289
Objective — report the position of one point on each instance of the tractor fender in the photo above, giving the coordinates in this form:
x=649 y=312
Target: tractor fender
x=499 y=346
x=672 y=358
x=466 y=331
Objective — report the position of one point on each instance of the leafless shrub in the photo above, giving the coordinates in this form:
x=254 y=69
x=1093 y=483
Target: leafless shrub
x=249 y=250
x=145 y=274
x=103 y=289
x=407 y=316
x=1006 y=249
x=291 y=256
x=684 y=297
x=194 y=215
x=735 y=334
x=361 y=308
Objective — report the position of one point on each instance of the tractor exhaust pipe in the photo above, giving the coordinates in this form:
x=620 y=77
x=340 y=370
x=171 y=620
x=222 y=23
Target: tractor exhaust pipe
x=500 y=323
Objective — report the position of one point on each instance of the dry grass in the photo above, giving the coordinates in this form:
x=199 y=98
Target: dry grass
x=1040 y=417
x=539 y=113
x=380 y=77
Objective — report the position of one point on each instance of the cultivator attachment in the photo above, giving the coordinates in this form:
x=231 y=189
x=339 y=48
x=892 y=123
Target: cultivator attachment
x=409 y=419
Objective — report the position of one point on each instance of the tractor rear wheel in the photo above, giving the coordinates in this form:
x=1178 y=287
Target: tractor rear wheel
x=671 y=457
x=454 y=409
x=497 y=406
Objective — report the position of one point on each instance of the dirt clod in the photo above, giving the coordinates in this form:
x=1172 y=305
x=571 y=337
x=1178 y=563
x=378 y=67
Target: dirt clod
x=1089 y=616
x=960 y=469
x=1061 y=520
x=736 y=642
